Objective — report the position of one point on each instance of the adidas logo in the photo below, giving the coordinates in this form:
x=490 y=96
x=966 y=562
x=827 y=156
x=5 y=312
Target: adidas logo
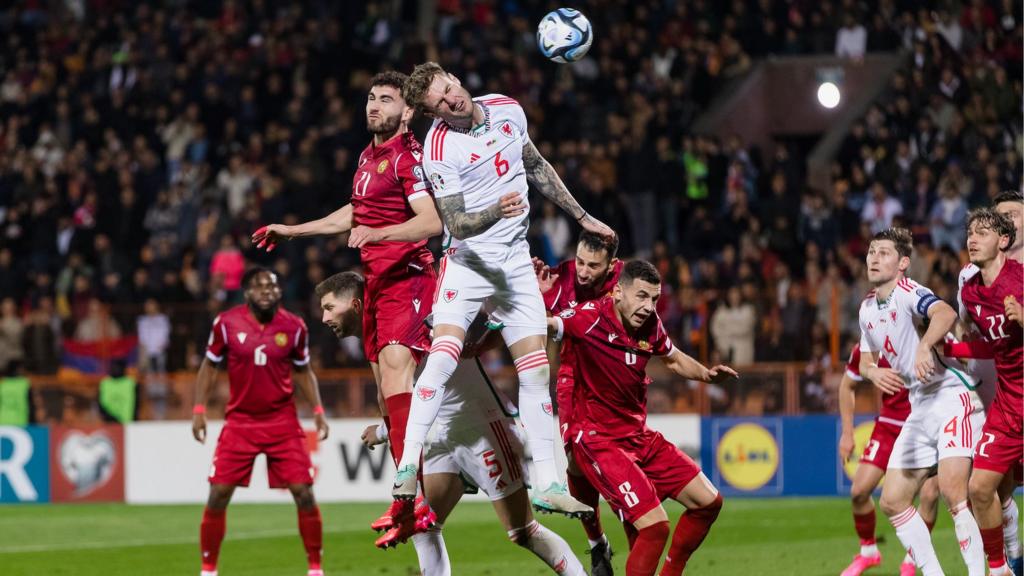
x=473 y=158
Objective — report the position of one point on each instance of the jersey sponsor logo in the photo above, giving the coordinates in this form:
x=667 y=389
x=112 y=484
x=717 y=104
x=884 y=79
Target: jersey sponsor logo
x=382 y=166
x=572 y=303
x=506 y=129
x=612 y=336
x=977 y=309
x=281 y=339
x=748 y=456
x=473 y=158
x=425 y=393
x=416 y=304
x=450 y=295
x=241 y=337
x=567 y=313
x=437 y=181
x=588 y=306
x=871 y=326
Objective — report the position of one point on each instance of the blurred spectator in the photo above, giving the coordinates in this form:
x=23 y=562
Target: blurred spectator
x=154 y=331
x=12 y=348
x=42 y=339
x=949 y=220
x=555 y=233
x=97 y=324
x=732 y=326
x=851 y=39
x=880 y=209
x=227 y=268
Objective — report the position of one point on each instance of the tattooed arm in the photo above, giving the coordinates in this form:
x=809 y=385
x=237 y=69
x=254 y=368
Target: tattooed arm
x=463 y=225
x=543 y=177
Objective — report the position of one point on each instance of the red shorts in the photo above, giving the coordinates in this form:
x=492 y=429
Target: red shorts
x=396 y=307
x=634 y=474
x=1000 y=448
x=284 y=444
x=879 y=446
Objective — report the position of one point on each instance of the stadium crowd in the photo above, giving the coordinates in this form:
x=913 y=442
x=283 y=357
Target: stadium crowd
x=142 y=143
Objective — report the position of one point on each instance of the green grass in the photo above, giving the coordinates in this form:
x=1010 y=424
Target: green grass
x=806 y=536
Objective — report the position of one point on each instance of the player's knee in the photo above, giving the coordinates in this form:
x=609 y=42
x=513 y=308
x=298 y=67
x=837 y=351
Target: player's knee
x=710 y=511
x=220 y=496
x=891 y=506
x=982 y=493
x=860 y=494
x=303 y=495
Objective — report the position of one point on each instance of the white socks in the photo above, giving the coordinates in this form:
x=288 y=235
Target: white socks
x=537 y=415
x=427 y=394
x=969 y=536
x=549 y=547
x=869 y=551
x=913 y=534
x=432 y=554
x=1011 y=536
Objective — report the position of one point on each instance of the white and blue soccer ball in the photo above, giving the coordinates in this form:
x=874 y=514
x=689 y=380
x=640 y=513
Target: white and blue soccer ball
x=564 y=35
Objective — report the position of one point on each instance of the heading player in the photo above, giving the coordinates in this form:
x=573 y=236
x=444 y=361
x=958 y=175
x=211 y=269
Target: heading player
x=589 y=276
x=479 y=159
x=945 y=414
x=635 y=468
x=476 y=435
x=872 y=465
x=992 y=299
x=262 y=344
x=390 y=218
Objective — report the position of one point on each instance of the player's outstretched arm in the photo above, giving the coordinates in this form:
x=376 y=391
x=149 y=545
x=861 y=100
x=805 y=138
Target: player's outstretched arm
x=425 y=224
x=306 y=381
x=205 y=380
x=885 y=379
x=847 y=398
x=687 y=367
x=464 y=225
x=337 y=222
x=542 y=176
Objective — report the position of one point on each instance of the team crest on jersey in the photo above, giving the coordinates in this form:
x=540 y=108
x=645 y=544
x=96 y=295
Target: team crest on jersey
x=547 y=407
x=382 y=166
x=281 y=339
x=450 y=295
x=506 y=129
x=644 y=345
x=437 y=181
x=425 y=393
x=567 y=313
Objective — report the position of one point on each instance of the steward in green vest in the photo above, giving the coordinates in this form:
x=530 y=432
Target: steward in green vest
x=117 y=394
x=15 y=409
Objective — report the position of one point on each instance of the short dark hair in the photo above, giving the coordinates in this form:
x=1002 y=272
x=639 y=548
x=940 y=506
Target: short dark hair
x=392 y=78
x=901 y=237
x=1008 y=196
x=340 y=284
x=994 y=221
x=596 y=242
x=419 y=82
x=639 y=270
x=251 y=274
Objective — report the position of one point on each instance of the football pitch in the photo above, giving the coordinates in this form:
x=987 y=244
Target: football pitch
x=805 y=536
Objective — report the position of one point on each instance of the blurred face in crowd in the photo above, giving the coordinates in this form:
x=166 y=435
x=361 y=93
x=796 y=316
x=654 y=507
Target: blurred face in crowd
x=448 y=100
x=1015 y=212
x=984 y=243
x=386 y=111
x=884 y=262
x=263 y=292
x=342 y=313
x=635 y=302
x=591 y=266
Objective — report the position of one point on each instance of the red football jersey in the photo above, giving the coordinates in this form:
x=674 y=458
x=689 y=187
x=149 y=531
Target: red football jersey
x=610 y=367
x=566 y=294
x=389 y=177
x=260 y=360
x=985 y=305
x=894 y=406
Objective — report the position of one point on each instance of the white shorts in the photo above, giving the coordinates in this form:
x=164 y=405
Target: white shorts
x=503 y=277
x=943 y=425
x=491 y=457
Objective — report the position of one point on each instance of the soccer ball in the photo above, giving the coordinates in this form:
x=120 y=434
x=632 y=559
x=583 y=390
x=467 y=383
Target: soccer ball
x=564 y=35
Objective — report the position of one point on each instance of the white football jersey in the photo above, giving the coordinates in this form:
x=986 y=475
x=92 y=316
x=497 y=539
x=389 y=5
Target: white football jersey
x=966 y=273
x=471 y=400
x=890 y=329
x=483 y=165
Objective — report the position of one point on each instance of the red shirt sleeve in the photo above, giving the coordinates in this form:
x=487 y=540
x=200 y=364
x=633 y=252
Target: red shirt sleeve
x=661 y=345
x=300 y=349
x=409 y=170
x=218 y=341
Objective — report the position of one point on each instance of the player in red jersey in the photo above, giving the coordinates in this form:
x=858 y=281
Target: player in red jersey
x=589 y=276
x=262 y=345
x=634 y=467
x=888 y=423
x=992 y=299
x=390 y=218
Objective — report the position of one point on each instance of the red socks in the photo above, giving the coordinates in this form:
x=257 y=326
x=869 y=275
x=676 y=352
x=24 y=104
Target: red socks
x=211 y=534
x=692 y=528
x=585 y=492
x=992 y=539
x=865 y=525
x=398 y=413
x=311 y=530
x=646 y=551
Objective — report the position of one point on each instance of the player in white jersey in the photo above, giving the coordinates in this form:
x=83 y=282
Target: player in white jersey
x=1010 y=204
x=945 y=414
x=475 y=435
x=479 y=158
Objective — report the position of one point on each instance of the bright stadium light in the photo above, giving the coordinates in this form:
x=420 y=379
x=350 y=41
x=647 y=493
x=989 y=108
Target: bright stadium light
x=828 y=95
